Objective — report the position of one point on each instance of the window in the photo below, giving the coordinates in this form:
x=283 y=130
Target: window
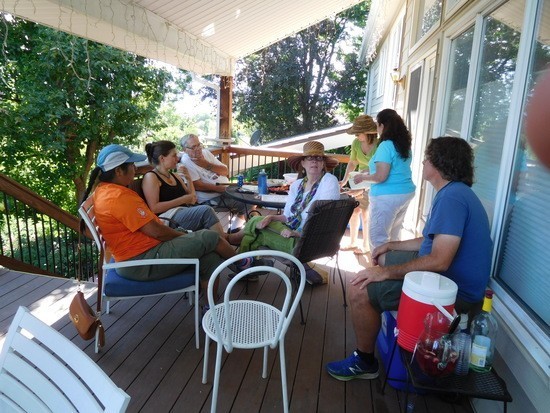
x=461 y=51
x=429 y=15
x=484 y=82
x=524 y=265
x=495 y=78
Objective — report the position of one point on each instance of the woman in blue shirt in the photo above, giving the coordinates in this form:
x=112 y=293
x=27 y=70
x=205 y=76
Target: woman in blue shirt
x=392 y=188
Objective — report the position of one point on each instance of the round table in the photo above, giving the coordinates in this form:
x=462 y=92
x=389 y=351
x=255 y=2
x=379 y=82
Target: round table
x=252 y=198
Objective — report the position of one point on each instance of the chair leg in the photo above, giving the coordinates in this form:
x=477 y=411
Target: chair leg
x=295 y=279
x=219 y=349
x=283 y=375
x=341 y=282
x=205 y=361
x=264 y=370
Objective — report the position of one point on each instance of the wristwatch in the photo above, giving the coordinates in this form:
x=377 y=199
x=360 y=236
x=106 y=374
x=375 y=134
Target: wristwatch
x=209 y=167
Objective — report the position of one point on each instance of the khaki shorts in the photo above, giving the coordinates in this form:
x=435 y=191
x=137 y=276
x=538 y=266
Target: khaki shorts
x=200 y=244
x=385 y=295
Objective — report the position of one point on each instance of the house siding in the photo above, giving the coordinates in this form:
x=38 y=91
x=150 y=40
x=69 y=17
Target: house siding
x=520 y=360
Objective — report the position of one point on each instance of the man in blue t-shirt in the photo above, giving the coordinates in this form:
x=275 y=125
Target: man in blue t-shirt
x=456 y=243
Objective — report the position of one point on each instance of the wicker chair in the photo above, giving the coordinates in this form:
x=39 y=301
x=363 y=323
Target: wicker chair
x=325 y=226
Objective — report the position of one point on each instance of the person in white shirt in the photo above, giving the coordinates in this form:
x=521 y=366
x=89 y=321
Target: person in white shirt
x=205 y=170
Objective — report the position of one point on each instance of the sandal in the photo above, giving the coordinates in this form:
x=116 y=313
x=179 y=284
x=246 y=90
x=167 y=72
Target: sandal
x=359 y=251
x=348 y=247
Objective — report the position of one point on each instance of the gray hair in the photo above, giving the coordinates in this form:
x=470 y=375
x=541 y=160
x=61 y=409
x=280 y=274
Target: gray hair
x=185 y=138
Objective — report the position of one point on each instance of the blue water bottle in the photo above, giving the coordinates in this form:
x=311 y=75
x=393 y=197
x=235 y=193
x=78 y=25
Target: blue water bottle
x=262 y=182
x=240 y=180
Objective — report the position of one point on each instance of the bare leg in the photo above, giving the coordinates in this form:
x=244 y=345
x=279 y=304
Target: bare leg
x=364 y=216
x=353 y=229
x=218 y=228
x=224 y=248
x=366 y=320
x=235 y=238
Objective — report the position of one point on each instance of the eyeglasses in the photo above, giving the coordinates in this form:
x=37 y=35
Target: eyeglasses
x=194 y=147
x=314 y=158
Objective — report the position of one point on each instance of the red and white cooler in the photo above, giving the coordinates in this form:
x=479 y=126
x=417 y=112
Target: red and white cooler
x=421 y=289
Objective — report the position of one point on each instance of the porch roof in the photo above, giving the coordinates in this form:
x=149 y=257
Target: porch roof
x=205 y=37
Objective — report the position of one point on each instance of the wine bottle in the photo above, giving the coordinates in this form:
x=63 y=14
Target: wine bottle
x=483 y=331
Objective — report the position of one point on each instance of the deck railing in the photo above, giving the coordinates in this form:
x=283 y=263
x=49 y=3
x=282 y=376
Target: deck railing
x=249 y=162
x=39 y=237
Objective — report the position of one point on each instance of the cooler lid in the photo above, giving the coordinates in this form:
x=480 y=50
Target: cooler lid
x=430 y=284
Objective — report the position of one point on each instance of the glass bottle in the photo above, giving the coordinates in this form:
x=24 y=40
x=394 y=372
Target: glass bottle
x=483 y=331
x=262 y=182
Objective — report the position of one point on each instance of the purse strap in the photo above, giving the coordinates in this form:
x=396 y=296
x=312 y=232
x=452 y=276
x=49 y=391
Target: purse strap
x=99 y=268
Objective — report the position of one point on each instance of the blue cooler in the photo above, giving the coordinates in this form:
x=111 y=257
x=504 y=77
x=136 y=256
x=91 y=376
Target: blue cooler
x=385 y=342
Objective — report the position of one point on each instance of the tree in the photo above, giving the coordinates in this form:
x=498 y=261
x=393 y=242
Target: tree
x=300 y=83
x=62 y=98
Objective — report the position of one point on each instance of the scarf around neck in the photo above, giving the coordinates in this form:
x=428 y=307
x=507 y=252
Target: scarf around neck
x=301 y=203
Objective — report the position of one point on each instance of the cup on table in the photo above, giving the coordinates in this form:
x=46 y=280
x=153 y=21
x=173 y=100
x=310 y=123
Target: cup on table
x=463 y=344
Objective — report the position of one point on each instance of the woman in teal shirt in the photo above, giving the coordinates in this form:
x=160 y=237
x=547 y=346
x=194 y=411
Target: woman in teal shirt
x=362 y=150
x=392 y=188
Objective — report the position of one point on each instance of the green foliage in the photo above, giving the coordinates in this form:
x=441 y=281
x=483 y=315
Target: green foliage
x=62 y=99
x=303 y=82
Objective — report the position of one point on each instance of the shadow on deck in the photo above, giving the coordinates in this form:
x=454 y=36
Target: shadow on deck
x=150 y=351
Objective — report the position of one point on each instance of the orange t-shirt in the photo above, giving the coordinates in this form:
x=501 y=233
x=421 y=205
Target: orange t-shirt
x=120 y=213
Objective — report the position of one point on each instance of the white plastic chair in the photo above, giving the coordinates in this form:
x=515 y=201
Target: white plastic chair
x=113 y=286
x=43 y=371
x=250 y=324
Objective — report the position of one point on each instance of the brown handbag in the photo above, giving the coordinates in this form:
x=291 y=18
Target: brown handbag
x=84 y=318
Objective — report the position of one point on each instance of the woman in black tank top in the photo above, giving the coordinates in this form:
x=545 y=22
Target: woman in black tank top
x=168 y=195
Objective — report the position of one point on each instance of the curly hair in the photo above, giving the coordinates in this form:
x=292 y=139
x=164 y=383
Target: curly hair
x=395 y=131
x=453 y=158
x=156 y=149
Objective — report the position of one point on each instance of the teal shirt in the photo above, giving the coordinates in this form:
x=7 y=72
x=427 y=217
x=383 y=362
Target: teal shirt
x=399 y=179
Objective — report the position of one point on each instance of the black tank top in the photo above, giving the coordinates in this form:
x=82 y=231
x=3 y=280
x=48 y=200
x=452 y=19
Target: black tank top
x=168 y=192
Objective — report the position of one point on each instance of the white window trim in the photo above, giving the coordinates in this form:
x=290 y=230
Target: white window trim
x=452 y=6
x=413 y=41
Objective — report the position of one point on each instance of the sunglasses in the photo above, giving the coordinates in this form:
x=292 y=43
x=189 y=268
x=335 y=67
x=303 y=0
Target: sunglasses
x=314 y=158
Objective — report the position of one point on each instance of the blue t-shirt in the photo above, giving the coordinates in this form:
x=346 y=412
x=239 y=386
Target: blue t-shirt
x=456 y=210
x=399 y=179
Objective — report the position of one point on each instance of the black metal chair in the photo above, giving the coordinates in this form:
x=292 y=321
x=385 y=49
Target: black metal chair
x=325 y=226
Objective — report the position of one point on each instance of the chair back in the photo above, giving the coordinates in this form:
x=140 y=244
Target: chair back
x=87 y=213
x=262 y=329
x=41 y=370
x=136 y=186
x=325 y=226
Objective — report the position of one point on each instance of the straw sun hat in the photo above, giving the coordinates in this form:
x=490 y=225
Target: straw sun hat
x=312 y=148
x=362 y=124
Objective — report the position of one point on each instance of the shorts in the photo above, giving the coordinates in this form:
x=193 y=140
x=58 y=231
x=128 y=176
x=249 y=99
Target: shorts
x=385 y=295
x=200 y=244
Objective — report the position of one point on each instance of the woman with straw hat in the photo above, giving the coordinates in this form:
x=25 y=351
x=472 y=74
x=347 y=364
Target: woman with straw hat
x=314 y=183
x=362 y=149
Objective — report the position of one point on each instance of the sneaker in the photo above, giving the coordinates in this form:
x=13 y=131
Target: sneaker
x=353 y=368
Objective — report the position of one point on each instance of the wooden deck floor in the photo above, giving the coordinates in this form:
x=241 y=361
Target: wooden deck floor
x=150 y=351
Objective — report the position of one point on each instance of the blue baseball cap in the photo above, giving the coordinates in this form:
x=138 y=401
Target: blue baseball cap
x=113 y=155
